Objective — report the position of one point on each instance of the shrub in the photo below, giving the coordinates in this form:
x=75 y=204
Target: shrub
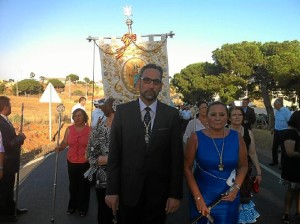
x=2 y=88
x=77 y=93
x=28 y=86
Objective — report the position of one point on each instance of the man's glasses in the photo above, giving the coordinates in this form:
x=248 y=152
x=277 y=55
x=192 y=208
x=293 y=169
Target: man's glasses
x=147 y=80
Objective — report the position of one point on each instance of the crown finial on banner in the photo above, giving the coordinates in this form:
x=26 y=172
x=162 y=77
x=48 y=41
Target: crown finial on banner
x=128 y=13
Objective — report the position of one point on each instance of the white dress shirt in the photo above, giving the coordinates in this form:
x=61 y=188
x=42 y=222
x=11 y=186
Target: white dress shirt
x=1 y=144
x=153 y=107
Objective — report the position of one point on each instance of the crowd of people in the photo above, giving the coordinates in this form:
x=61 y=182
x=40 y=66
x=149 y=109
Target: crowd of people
x=138 y=154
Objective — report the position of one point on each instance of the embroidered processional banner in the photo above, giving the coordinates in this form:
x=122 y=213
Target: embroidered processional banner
x=122 y=59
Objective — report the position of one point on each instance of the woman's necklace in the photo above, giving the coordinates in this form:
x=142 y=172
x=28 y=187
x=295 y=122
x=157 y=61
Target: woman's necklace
x=221 y=165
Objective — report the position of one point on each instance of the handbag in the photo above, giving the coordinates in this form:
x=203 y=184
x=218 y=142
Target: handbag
x=255 y=187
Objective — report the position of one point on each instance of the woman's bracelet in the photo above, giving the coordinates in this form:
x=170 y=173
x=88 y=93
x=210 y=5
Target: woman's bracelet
x=258 y=174
x=237 y=186
x=197 y=198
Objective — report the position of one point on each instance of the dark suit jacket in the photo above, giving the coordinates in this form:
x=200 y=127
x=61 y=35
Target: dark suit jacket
x=250 y=117
x=12 y=146
x=135 y=170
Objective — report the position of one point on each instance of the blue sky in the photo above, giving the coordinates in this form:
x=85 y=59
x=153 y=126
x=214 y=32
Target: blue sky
x=48 y=37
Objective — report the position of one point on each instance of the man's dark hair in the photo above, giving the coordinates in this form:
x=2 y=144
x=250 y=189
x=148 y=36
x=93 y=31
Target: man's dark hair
x=279 y=101
x=154 y=66
x=4 y=102
x=82 y=99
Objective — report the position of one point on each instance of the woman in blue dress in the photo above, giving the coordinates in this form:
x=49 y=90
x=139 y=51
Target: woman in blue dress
x=221 y=166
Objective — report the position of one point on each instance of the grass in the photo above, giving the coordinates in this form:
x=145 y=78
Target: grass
x=263 y=138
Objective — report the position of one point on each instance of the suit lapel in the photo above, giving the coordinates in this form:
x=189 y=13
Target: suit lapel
x=137 y=116
x=8 y=131
x=157 y=121
x=5 y=124
x=157 y=118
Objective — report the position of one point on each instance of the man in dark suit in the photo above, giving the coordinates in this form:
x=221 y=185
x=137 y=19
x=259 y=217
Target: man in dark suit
x=250 y=116
x=12 y=146
x=145 y=161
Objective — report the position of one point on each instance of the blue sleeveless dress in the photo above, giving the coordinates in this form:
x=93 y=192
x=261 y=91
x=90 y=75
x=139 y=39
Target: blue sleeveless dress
x=211 y=181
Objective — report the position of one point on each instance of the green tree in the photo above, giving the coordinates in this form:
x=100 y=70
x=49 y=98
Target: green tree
x=257 y=68
x=57 y=84
x=230 y=87
x=204 y=81
x=32 y=75
x=28 y=86
x=87 y=80
x=284 y=64
x=272 y=66
x=74 y=78
x=247 y=61
x=195 y=83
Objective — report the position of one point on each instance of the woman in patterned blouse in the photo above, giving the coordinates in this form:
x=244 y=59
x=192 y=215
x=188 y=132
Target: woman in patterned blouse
x=97 y=154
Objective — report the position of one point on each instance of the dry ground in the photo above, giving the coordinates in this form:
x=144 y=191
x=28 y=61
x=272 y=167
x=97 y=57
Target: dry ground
x=36 y=123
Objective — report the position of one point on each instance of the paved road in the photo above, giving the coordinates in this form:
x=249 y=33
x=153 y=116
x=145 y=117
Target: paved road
x=36 y=194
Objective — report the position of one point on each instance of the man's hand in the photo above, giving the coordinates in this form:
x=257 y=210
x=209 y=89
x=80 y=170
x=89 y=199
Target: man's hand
x=172 y=205
x=112 y=201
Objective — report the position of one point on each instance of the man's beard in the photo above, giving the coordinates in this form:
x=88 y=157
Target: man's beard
x=149 y=95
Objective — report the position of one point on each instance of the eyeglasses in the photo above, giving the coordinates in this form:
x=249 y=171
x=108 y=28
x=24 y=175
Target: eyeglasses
x=147 y=80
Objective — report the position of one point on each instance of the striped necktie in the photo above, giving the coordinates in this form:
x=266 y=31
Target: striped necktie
x=147 y=124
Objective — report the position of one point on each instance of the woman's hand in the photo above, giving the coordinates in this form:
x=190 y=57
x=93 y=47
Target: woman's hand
x=258 y=179
x=58 y=149
x=231 y=194
x=201 y=206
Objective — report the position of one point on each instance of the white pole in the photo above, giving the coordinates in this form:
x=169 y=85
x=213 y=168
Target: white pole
x=50 y=118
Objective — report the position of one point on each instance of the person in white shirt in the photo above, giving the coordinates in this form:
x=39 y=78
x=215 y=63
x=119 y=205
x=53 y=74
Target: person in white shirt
x=80 y=104
x=198 y=123
x=97 y=114
x=186 y=115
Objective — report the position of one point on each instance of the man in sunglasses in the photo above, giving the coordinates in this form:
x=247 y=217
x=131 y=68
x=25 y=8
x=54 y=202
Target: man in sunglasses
x=145 y=161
